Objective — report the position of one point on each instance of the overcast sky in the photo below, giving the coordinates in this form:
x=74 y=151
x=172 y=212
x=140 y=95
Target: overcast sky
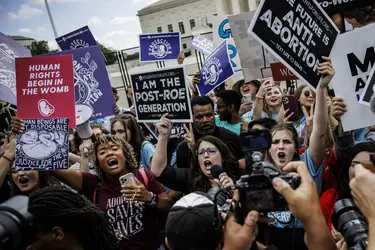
x=113 y=22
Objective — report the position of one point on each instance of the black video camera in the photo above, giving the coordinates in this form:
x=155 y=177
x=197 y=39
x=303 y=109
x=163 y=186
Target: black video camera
x=255 y=187
x=16 y=227
x=350 y=222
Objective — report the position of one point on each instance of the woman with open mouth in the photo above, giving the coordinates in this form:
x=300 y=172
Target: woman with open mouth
x=22 y=182
x=208 y=151
x=130 y=208
x=284 y=149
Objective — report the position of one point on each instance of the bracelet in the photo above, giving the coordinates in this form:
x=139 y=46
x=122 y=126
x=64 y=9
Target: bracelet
x=259 y=97
x=154 y=200
x=6 y=158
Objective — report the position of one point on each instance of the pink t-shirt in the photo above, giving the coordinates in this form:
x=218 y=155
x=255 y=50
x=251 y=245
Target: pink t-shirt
x=135 y=223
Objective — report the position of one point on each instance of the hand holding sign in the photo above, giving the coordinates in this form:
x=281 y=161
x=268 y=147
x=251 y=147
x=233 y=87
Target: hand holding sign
x=327 y=71
x=338 y=108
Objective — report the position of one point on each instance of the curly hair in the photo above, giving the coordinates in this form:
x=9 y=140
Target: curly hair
x=130 y=160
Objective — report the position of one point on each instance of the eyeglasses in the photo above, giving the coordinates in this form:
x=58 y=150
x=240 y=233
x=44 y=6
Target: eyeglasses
x=203 y=151
x=307 y=93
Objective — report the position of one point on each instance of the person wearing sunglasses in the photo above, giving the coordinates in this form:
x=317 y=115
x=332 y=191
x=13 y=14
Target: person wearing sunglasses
x=208 y=151
x=306 y=100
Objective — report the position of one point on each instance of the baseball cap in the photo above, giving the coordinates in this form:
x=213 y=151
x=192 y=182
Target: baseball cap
x=191 y=223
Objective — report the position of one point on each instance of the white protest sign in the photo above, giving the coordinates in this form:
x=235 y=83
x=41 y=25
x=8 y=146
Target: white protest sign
x=253 y=56
x=353 y=56
x=222 y=31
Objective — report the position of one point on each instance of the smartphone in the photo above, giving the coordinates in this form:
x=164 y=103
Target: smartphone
x=128 y=179
x=247 y=98
x=289 y=102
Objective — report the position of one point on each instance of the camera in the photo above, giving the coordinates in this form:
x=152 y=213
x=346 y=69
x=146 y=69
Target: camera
x=16 y=227
x=252 y=141
x=256 y=189
x=350 y=222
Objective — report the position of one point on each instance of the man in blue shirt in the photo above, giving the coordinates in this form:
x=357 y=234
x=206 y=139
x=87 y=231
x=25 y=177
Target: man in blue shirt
x=228 y=107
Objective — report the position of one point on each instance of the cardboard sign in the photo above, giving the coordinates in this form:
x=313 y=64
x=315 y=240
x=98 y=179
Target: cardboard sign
x=159 y=46
x=159 y=92
x=149 y=133
x=216 y=69
x=253 y=56
x=340 y=6
x=282 y=73
x=80 y=38
x=202 y=44
x=353 y=58
x=45 y=88
x=43 y=145
x=298 y=33
x=368 y=92
x=9 y=51
x=91 y=81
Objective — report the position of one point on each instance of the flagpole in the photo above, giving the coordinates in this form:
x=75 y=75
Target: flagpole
x=51 y=19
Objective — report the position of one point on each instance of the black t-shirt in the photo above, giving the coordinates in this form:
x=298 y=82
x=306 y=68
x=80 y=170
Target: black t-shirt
x=232 y=140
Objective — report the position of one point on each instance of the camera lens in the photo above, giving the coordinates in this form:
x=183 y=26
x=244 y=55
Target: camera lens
x=15 y=223
x=350 y=222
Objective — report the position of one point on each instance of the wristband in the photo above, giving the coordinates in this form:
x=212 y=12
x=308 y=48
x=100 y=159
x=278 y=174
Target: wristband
x=154 y=200
x=259 y=97
x=6 y=158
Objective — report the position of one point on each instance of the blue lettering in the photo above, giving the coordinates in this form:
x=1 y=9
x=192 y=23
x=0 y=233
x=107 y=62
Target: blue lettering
x=232 y=54
x=224 y=33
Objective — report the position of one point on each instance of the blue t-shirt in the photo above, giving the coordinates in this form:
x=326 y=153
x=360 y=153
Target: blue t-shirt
x=235 y=128
x=147 y=152
x=283 y=219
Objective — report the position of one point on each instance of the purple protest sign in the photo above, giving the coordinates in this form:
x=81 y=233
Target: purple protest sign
x=159 y=46
x=202 y=44
x=91 y=81
x=216 y=69
x=76 y=39
x=9 y=51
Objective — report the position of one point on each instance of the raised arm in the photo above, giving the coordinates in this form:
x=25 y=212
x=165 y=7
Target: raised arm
x=320 y=121
x=71 y=178
x=259 y=101
x=159 y=161
x=7 y=158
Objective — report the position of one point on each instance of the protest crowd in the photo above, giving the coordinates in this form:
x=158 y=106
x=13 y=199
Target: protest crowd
x=258 y=164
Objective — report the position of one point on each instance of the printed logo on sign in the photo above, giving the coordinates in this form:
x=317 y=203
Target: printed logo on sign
x=212 y=71
x=87 y=89
x=78 y=43
x=45 y=108
x=160 y=48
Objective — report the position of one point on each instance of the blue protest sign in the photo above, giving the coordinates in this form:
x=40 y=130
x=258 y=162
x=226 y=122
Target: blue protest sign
x=91 y=81
x=202 y=44
x=159 y=46
x=43 y=145
x=216 y=69
x=9 y=51
x=76 y=39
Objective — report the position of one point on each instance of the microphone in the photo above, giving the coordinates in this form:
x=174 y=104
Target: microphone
x=216 y=171
x=372 y=103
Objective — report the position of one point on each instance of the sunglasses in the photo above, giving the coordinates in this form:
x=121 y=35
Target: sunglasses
x=308 y=93
x=203 y=151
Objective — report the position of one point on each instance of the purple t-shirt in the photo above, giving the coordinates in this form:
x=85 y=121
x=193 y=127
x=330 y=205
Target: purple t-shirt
x=133 y=222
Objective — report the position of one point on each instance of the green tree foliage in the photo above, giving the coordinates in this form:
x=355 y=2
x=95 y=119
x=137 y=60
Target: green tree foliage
x=110 y=55
x=39 y=48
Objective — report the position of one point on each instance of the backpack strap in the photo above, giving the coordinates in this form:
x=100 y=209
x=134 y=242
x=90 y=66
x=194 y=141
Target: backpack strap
x=144 y=177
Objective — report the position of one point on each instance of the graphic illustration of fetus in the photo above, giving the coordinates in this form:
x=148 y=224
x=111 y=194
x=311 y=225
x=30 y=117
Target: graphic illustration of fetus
x=45 y=108
x=41 y=145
